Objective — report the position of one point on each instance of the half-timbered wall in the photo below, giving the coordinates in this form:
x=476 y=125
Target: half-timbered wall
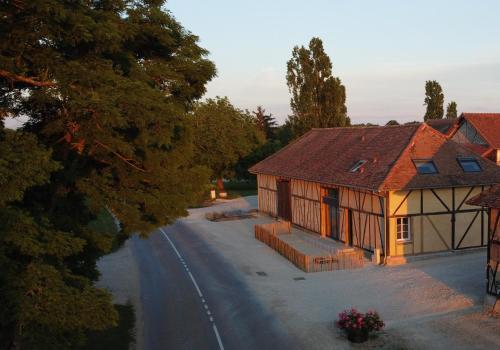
x=366 y=220
x=306 y=204
x=364 y=227
x=493 y=266
x=267 y=194
x=440 y=220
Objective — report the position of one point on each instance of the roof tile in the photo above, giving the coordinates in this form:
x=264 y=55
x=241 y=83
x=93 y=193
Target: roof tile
x=327 y=155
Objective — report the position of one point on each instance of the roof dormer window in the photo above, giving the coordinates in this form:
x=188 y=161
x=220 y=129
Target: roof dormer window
x=357 y=166
x=469 y=164
x=425 y=166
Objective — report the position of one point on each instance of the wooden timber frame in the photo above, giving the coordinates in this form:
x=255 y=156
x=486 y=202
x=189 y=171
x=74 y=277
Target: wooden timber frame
x=361 y=216
x=440 y=220
x=493 y=257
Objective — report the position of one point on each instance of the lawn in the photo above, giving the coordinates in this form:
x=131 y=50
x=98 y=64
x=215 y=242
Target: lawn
x=237 y=189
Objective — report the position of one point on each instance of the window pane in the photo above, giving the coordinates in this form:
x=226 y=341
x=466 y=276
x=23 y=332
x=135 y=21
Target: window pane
x=425 y=167
x=357 y=166
x=403 y=228
x=469 y=165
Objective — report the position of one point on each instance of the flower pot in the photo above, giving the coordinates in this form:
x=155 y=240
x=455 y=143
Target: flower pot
x=357 y=335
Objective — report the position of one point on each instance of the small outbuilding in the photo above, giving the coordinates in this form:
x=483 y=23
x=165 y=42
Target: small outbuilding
x=400 y=189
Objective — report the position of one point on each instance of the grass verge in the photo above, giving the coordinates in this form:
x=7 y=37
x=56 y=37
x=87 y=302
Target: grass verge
x=237 y=189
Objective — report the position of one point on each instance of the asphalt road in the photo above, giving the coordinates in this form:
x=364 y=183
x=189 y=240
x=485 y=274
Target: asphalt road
x=192 y=298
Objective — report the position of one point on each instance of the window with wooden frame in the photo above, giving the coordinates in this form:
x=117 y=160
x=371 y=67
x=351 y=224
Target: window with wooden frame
x=403 y=229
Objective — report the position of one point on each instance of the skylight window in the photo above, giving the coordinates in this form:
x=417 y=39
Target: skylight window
x=469 y=164
x=357 y=166
x=425 y=166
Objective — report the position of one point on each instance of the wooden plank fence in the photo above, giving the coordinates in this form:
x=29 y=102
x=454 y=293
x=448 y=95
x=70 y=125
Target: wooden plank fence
x=342 y=259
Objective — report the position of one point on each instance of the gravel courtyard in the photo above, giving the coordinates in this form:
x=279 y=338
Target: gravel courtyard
x=434 y=303
x=429 y=304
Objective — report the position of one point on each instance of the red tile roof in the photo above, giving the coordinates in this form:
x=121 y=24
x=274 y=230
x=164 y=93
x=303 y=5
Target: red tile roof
x=478 y=149
x=488 y=126
x=430 y=144
x=327 y=155
x=489 y=198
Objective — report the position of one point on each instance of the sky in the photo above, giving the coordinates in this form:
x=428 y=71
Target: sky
x=383 y=51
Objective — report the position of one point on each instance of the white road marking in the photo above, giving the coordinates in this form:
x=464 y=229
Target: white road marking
x=221 y=347
x=216 y=331
x=195 y=284
x=172 y=244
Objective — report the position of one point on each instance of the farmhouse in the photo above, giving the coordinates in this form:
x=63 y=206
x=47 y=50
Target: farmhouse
x=491 y=200
x=400 y=189
x=480 y=132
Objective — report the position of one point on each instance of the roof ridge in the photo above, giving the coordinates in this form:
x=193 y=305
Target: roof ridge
x=481 y=113
x=280 y=150
x=367 y=127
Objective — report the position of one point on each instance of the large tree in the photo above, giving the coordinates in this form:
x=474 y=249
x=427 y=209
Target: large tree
x=318 y=98
x=223 y=135
x=451 y=110
x=434 y=100
x=105 y=86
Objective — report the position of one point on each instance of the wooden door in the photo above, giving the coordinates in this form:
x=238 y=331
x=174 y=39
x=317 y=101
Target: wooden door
x=284 y=200
x=333 y=214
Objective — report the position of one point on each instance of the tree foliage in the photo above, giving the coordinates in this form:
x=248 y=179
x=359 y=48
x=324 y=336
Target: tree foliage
x=451 y=110
x=392 y=122
x=265 y=122
x=318 y=98
x=105 y=86
x=223 y=135
x=434 y=100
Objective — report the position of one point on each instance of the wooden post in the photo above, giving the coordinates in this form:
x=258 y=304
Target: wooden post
x=387 y=226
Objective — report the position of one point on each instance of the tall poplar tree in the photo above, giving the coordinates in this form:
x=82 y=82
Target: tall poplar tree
x=451 y=110
x=105 y=86
x=434 y=100
x=318 y=98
